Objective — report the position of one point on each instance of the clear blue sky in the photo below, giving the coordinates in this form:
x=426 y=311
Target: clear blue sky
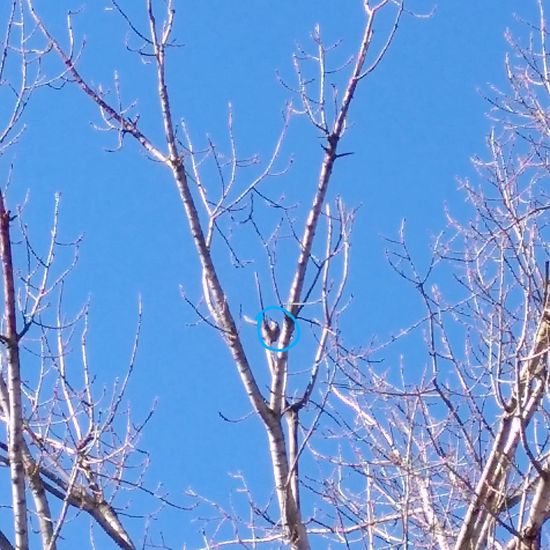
x=416 y=122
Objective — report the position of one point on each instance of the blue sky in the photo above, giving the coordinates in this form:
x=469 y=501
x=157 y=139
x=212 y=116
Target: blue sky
x=415 y=124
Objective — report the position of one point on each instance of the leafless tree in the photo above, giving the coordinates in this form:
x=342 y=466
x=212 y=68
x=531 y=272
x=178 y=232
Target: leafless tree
x=209 y=211
x=68 y=445
x=458 y=459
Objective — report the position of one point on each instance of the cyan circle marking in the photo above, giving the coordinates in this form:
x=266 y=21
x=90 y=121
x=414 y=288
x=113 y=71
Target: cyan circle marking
x=260 y=319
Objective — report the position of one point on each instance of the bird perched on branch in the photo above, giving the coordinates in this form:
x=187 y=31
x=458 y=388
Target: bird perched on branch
x=270 y=331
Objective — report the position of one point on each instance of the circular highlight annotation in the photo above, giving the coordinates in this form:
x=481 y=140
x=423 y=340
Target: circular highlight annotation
x=260 y=318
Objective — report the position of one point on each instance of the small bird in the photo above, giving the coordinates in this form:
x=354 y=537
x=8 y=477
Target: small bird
x=270 y=331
